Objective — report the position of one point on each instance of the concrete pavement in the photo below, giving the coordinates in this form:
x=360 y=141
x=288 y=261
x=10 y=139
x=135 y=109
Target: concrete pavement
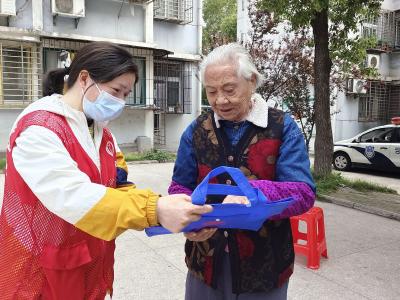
x=363 y=250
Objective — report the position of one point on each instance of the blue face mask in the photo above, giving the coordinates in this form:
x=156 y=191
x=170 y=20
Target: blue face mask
x=106 y=107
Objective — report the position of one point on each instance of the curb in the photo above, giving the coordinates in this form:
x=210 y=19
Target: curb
x=361 y=207
x=138 y=162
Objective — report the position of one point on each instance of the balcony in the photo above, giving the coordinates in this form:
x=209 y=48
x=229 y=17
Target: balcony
x=385 y=28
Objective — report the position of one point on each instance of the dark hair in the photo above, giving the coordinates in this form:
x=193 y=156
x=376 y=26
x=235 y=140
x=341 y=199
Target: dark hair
x=104 y=61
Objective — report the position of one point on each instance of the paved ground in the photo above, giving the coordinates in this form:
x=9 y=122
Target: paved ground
x=363 y=249
x=381 y=204
x=364 y=256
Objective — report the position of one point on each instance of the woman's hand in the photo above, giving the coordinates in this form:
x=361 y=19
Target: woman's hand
x=236 y=199
x=174 y=212
x=206 y=233
x=200 y=236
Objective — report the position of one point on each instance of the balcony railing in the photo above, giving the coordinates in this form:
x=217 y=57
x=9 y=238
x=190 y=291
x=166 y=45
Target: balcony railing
x=385 y=28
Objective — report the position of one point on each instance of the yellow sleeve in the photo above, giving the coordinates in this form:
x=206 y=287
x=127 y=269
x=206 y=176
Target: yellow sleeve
x=121 y=163
x=118 y=211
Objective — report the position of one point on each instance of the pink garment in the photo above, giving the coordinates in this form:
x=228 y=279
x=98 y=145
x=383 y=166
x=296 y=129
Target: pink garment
x=301 y=192
x=176 y=188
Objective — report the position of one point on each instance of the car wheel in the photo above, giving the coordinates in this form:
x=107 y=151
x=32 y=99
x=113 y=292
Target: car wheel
x=341 y=161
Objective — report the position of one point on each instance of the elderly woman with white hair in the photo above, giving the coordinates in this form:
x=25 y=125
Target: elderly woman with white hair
x=266 y=144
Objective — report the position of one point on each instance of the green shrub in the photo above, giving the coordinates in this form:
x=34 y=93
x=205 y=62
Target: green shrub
x=159 y=155
x=332 y=182
x=2 y=164
x=133 y=156
x=155 y=154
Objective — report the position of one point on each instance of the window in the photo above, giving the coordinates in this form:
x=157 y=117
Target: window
x=381 y=135
x=373 y=106
x=56 y=58
x=397 y=33
x=172 y=86
x=20 y=69
x=57 y=53
x=396 y=136
x=369 y=28
x=366 y=109
x=138 y=95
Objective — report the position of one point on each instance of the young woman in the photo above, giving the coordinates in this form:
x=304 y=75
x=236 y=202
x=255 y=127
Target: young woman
x=62 y=209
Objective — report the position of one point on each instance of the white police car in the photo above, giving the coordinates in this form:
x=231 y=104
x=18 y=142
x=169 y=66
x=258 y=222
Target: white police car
x=376 y=148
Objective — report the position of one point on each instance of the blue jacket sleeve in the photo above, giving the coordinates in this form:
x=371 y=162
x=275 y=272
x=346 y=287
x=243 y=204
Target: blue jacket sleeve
x=293 y=163
x=185 y=169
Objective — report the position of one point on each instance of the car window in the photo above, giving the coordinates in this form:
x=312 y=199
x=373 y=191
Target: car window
x=386 y=137
x=381 y=135
x=396 y=136
x=367 y=138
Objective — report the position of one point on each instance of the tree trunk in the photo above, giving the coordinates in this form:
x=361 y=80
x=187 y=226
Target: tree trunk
x=322 y=68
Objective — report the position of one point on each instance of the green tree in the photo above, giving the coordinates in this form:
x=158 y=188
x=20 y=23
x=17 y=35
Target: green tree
x=334 y=24
x=220 y=17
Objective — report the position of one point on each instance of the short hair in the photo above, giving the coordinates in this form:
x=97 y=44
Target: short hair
x=236 y=54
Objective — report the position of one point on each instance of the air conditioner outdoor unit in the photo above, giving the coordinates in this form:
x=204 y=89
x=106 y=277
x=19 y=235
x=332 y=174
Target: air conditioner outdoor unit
x=373 y=61
x=7 y=8
x=68 y=8
x=176 y=11
x=356 y=86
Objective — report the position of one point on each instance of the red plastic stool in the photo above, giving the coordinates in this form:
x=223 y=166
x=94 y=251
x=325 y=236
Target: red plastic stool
x=315 y=236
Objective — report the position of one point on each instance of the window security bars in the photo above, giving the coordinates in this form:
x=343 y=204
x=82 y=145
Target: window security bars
x=172 y=86
x=20 y=73
x=164 y=85
x=385 y=28
x=53 y=57
x=380 y=103
x=394 y=102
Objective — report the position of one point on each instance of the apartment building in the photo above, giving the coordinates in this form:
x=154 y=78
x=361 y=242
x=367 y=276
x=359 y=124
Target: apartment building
x=163 y=35
x=365 y=103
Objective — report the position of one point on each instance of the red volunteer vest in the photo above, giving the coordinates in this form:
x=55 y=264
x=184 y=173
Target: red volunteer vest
x=41 y=255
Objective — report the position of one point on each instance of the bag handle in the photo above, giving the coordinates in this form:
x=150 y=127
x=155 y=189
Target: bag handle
x=243 y=187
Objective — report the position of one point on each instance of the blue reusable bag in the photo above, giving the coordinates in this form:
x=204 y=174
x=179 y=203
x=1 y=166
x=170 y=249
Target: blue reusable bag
x=249 y=216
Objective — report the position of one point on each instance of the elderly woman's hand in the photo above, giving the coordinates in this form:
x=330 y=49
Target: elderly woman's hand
x=235 y=199
x=200 y=236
